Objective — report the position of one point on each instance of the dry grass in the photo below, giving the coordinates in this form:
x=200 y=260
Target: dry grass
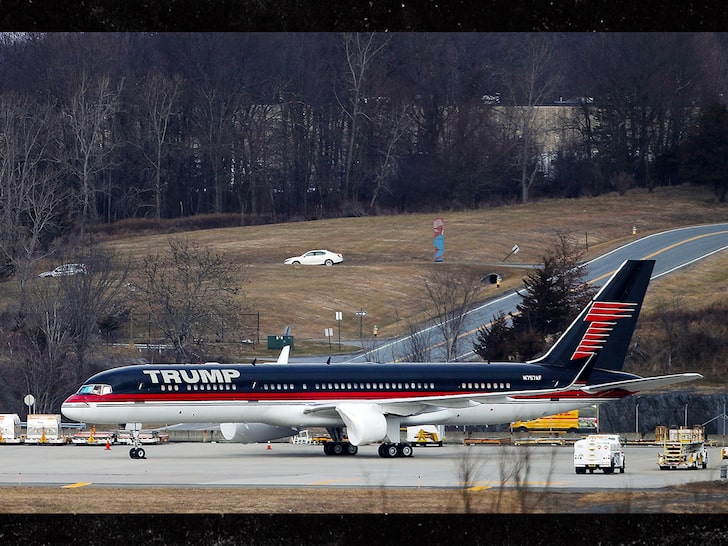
x=706 y=497
x=387 y=257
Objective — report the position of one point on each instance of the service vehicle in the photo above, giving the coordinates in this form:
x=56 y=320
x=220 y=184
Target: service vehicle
x=126 y=436
x=426 y=435
x=10 y=429
x=44 y=428
x=302 y=438
x=93 y=437
x=603 y=452
x=724 y=453
x=575 y=421
x=682 y=447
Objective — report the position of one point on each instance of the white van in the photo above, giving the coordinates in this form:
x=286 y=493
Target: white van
x=603 y=451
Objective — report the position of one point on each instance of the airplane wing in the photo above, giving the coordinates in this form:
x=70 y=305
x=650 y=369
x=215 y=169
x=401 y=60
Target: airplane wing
x=424 y=404
x=643 y=384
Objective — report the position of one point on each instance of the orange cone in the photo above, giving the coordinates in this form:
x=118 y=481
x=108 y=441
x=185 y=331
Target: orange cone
x=267 y=448
x=108 y=445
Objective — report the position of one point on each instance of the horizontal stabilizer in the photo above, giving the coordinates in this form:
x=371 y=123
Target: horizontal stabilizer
x=643 y=383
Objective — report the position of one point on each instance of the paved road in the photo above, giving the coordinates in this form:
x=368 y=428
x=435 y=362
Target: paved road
x=672 y=250
x=288 y=465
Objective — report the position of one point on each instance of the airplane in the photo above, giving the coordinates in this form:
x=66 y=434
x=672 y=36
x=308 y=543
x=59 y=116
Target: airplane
x=256 y=402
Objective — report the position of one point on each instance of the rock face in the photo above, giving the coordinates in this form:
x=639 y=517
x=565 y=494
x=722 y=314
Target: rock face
x=666 y=409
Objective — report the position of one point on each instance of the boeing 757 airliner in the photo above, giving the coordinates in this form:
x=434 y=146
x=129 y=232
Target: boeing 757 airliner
x=260 y=402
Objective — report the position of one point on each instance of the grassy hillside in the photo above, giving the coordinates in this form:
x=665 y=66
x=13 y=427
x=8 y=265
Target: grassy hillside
x=387 y=257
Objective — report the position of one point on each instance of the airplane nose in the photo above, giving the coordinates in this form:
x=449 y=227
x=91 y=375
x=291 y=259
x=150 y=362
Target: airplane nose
x=74 y=409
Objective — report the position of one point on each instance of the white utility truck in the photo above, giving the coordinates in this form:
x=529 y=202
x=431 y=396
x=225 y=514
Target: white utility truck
x=599 y=451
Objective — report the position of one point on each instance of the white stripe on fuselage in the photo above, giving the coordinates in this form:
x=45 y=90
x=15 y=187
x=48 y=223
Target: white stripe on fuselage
x=293 y=414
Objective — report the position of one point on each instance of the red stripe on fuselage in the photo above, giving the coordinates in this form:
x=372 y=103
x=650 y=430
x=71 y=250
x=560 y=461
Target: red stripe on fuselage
x=303 y=396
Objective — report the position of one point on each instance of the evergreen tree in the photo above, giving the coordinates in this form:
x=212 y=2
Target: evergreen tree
x=493 y=340
x=553 y=296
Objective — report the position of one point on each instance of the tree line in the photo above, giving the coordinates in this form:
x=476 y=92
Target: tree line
x=282 y=126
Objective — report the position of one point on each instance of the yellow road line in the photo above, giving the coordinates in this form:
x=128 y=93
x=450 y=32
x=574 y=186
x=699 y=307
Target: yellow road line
x=77 y=484
x=665 y=249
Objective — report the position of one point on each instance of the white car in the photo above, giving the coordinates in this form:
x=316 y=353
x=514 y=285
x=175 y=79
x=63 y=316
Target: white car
x=315 y=257
x=65 y=270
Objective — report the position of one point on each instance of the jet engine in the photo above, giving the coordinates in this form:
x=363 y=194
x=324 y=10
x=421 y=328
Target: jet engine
x=364 y=423
x=249 y=433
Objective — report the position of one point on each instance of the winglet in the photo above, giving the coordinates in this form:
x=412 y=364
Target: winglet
x=283 y=357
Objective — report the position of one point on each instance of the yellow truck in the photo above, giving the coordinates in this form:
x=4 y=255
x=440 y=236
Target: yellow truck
x=575 y=421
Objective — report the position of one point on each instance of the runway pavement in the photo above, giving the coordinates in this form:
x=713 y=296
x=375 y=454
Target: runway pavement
x=288 y=465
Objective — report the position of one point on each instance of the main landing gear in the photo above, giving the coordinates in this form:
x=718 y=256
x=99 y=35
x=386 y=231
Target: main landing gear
x=395 y=450
x=340 y=448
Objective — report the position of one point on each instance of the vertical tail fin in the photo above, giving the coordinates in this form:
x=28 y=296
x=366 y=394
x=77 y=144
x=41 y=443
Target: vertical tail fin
x=603 y=330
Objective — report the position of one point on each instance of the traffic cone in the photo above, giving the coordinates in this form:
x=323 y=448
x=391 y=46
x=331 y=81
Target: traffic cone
x=268 y=448
x=108 y=445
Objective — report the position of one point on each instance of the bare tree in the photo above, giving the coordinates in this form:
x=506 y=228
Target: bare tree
x=417 y=341
x=188 y=294
x=531 y=83
x=671 y=316
x=93 y=296
x=45 y=343
x=32 y=199
x=361 y=50
x=88 y=118
x=388 y=167
x=158 y=96
x=451 y=293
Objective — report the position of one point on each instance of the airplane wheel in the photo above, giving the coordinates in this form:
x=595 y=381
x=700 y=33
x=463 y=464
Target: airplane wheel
x=351 y=449
x=141 y=454
x=405 y=450
x=133 y=453
x=337 y=449
x=327 y=448
x=392 y=450
x=382 y=450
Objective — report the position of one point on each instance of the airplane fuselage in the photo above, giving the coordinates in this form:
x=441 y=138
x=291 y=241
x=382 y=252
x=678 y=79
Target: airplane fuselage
x=290 y=395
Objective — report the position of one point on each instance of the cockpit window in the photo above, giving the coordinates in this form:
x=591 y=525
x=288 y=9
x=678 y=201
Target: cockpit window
x=99 y=389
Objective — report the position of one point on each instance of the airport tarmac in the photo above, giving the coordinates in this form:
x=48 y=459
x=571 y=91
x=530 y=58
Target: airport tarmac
x=289 y=465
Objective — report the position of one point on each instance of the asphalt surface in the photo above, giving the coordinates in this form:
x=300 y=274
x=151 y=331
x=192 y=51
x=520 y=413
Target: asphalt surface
x=289 y=465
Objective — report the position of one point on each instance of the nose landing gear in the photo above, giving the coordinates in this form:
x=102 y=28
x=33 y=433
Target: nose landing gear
x=137 y=452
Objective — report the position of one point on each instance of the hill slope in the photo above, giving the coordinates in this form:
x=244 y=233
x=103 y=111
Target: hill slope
x=387 y=258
